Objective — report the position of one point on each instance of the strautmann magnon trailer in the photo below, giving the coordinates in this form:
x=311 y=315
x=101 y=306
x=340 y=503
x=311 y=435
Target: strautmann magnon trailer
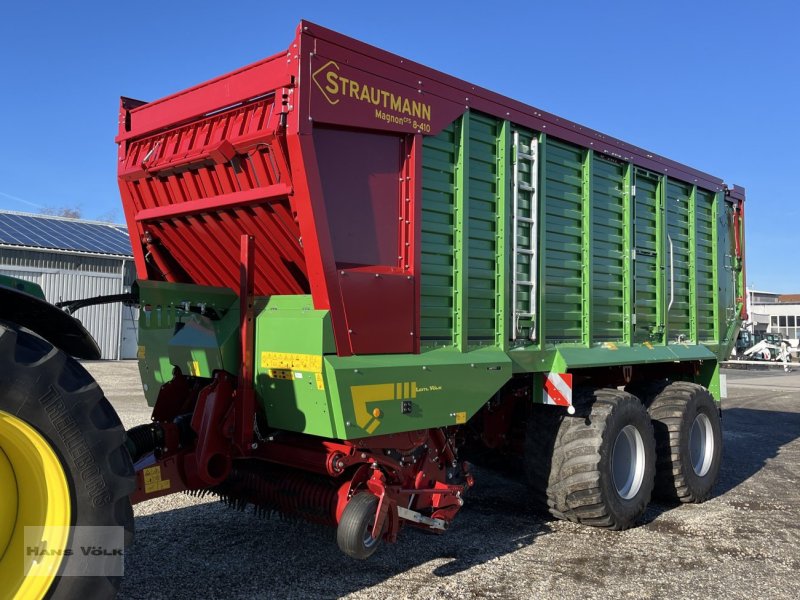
x=357 y=275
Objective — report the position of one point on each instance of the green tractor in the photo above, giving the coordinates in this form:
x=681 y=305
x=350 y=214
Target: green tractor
x=66 y=474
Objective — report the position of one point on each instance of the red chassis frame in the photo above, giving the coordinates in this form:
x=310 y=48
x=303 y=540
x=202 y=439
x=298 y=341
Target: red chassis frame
x=415 y=471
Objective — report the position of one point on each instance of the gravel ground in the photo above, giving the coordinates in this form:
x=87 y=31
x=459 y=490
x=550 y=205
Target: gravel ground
x=743 y=543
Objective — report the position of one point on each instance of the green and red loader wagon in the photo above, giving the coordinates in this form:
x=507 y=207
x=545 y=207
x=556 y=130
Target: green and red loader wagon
x=357 y=276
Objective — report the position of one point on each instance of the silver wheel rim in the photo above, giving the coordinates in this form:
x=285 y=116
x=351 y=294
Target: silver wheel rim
x=369 y=541
x=701 y=445
x=627 y=462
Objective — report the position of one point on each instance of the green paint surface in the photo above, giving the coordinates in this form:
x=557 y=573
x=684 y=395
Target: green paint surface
x=21 y=285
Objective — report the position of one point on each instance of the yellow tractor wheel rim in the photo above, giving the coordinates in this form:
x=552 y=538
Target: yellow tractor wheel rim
x=35 y=497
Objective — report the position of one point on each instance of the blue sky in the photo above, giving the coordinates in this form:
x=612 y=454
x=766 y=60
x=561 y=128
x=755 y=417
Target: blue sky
x=715 y=85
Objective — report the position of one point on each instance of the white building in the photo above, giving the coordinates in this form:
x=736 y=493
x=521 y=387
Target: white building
x=72 y=259
x=774 y=313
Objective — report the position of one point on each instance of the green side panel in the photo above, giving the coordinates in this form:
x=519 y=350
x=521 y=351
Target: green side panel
x=304 y=387
x=587 y=241
x=485 y=202
x=464 y=204
x=608 y=250
x=678 y=261
x=461 y=238
x=627 y=254
x=704 y=261
x=176 y=329
x=502 y=243
x=438 y=226
x=290 y=341
x=379 y=395
x=202 y=345
x=646 y=266
x=727 y=275
x=565 y=358
x=563 y=166
x=28 y=287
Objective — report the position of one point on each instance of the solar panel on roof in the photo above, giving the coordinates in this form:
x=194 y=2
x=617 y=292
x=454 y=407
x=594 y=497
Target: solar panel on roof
x=36 y=231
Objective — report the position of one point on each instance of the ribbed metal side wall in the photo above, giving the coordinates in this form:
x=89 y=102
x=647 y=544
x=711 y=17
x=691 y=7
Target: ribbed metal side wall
x=646 y=269
x=563 y=230
x=623 y=255
x=438 y=228
x=70 y=277
x=483 y=209
x=608 y=244
x=704 y=224
x=57 y=260
x=678 y=269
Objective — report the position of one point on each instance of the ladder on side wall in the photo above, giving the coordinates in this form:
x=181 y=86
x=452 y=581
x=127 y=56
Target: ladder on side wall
x=524 y=220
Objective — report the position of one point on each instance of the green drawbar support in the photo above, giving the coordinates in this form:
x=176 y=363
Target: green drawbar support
x=693 y=333
x=586 y=249
x=541 y=322
x=502 y=180
x=461 y=239
x=627 y=255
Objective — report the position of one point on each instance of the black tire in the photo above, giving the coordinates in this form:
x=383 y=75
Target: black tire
x=685 y=471
x=580 y=485
x=354 y=534
x=540 y=439
x=53 y=394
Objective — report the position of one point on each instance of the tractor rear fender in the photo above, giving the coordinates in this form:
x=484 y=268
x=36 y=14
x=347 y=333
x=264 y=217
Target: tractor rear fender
x=21 y=307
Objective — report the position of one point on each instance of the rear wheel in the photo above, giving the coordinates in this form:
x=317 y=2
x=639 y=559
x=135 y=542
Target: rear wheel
x=688 y=442
x=354 y=534
x=62 y=464
x=602 y=463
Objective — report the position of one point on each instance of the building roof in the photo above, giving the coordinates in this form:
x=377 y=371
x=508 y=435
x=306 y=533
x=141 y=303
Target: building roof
x=789 y=298
x=60 y=233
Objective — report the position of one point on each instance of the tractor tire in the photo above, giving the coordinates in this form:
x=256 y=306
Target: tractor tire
x=602 y=465
x=62 y=464
x=688 y=434
x=354 y=534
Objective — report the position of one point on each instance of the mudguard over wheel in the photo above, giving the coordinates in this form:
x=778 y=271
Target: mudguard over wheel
x=62 y=464
x=354 y=534
x=688 y=441
x=602 y=460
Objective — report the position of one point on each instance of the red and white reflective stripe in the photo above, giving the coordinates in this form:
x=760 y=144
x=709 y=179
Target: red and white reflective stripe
x=558 y=389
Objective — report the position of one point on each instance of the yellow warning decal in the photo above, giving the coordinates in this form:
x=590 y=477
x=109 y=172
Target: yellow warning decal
x=140 y=352
x=461 y=418
x=153 y=481
x=320 y=382
x=378 y=392
x=194 y=368
x=291 y=362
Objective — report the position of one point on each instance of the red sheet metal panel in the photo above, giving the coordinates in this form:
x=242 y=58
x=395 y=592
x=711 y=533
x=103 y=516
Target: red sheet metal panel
x=192 y=191
x=379 y=311
x=441 y=90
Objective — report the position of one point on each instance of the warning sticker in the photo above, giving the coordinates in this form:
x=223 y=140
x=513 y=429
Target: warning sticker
x=153 y=481
x=291 y=362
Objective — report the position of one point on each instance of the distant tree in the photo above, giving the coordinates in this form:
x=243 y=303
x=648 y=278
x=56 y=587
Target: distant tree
x=110 y=216
x=73 y=212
